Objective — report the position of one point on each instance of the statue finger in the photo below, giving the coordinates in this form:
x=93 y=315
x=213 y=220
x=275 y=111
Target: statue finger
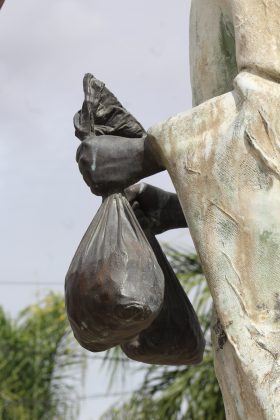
x=134 y=191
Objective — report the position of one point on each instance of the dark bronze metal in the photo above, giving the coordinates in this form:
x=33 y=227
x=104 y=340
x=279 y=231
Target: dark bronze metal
x=120 y=288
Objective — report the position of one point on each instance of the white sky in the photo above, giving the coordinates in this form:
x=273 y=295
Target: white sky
x=140 y=49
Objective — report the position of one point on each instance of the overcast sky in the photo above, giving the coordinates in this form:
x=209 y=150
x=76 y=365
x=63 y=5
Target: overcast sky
x=140 y=50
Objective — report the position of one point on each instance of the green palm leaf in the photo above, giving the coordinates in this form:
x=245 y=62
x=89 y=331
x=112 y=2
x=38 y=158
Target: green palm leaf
x=37 y=361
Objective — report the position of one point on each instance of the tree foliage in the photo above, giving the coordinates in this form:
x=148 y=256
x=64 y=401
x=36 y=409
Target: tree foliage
x=179 y=393
x=37 y=363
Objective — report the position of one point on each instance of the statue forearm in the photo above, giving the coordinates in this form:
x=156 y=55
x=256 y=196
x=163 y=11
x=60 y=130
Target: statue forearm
x=157 y=210
x=173 y=217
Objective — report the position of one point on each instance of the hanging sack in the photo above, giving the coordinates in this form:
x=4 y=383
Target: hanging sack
x=114 y=287
x=175 y=336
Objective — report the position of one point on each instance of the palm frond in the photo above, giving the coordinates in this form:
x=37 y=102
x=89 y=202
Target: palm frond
x=37 y=357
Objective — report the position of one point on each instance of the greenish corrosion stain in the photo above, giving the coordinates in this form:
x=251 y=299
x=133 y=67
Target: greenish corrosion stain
x=227 y=229
x=264 y=179
x=277 y=307
x=228 y=68
x=268 y=254
x=265 y=237
x=269 y=245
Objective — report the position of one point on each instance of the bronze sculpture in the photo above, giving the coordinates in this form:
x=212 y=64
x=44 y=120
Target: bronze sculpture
x=223 y=158
x=120 y=288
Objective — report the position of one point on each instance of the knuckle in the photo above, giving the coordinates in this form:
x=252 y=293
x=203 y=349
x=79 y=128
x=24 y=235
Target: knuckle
x=90 y=142
x=84 y=160
x=142 y=187
x=84 y=166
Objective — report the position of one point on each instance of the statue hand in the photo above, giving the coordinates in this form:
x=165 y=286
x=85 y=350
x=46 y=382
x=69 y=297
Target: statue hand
x=156 y=210
x=109 y=164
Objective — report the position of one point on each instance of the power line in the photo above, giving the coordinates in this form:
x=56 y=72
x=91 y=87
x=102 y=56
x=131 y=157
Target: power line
x=95 y=357
x=111 y=395
x=110 y=359
x=30 y=283
x=82 y=397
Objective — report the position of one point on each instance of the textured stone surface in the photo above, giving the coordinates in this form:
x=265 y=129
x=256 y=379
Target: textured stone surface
x=224 y=159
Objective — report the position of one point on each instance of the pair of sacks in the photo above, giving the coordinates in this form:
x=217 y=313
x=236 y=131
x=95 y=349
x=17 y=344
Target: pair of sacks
x=120 y=288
